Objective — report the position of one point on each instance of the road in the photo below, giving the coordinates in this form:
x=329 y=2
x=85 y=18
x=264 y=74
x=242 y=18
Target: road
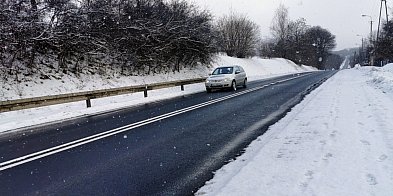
x=346 y=63
x=169 y=147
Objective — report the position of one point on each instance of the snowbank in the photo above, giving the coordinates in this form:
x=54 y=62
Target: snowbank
x=380 y=77
x=388 y=67
x=256 y=68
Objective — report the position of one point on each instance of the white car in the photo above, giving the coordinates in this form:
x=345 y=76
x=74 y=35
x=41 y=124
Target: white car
x=226 y=77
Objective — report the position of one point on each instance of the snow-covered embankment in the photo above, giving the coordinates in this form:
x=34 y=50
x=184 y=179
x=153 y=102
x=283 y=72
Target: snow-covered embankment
x=256 y=68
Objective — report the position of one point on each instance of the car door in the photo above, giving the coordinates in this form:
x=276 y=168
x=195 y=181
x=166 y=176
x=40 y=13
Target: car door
x=238 y=75
x=241 y=75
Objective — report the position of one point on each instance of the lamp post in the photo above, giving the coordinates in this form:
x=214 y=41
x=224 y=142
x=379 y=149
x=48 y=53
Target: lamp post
x=362 y=40
x=371 y=55
x=371 y=26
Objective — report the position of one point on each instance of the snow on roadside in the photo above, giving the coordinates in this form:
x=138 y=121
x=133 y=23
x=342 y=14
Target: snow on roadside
x=337 y=141
x=70 y=83
x=256 y=68
x=381 y=77
x=10 y=121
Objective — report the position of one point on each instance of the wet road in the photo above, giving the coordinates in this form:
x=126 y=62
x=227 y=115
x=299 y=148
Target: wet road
x=164 y=148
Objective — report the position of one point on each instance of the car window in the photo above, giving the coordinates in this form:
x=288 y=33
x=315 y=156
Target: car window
x=241 y=69
x=223 y=70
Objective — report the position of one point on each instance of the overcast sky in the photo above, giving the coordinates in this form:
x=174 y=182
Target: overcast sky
x=342 y=17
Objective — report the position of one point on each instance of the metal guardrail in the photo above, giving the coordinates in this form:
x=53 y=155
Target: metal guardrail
x=20 y=104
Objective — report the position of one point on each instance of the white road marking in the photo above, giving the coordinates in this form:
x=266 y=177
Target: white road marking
x=44 y=153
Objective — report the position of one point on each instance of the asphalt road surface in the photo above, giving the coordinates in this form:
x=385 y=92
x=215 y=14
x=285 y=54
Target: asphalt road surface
x=169 y=147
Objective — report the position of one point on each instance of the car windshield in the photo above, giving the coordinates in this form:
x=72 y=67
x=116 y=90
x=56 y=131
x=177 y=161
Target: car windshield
x=223 y=70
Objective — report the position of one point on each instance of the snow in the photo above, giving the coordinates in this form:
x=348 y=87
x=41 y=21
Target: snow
x=345 y=63
x=337 y=141
x=70 y=83
x=256 y=68
x=388 y=67
x=381 y=77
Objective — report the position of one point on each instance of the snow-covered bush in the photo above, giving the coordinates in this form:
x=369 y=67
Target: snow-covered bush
x=135 y=36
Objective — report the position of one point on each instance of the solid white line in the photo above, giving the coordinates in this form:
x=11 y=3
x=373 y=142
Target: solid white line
x=37 y=155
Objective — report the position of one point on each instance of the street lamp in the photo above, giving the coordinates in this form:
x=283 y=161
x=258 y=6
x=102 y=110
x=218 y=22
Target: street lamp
x=371 y=26
x=362 y=40
x=371 y=55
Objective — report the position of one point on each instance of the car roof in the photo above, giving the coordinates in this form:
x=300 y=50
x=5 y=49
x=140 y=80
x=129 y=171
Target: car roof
x=228 y=66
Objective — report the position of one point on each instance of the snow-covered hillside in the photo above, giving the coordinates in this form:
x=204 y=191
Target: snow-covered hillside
x=59 y=83
x=338 y=141
x=256 y=68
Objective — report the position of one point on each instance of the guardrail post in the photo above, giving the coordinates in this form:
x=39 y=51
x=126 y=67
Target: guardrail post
x=182 y=87
x=88 y=103
x=145 y=91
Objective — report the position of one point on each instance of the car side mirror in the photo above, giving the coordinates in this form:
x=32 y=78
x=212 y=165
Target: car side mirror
x=237 y=72
x=210 y=74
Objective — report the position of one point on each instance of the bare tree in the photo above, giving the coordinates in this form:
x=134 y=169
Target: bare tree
x=279 y=29
x=139 y=36
x=19 y=25
x=237 y=35
x=267 y=48
x=294 y=43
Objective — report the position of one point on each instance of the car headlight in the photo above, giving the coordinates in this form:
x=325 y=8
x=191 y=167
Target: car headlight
x=207 y=81
x=227 y=80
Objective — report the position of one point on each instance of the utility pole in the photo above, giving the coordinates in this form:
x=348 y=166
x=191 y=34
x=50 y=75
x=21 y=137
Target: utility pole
x=361 y=54
x=380 y=14
x=371 y=27
x=372 y=44
x=361 y=51
x=371 y=30
x=379 y=21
